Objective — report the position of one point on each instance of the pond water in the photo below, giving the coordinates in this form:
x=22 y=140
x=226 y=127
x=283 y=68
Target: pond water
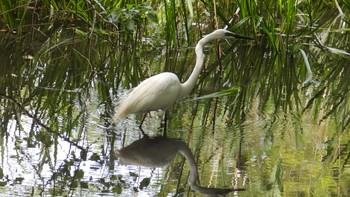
x=280 y=155
x=264 y=134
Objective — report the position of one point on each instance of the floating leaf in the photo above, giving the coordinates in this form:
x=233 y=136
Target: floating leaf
x=94 y=157
x=144 y=183
x=133 y=174
x=84 y=185
x=117 y=190
x=79 y=174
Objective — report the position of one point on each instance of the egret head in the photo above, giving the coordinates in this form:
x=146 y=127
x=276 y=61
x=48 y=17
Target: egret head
x=223 y=34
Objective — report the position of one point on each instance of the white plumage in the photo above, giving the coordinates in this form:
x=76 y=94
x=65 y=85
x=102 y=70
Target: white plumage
x=162 y=90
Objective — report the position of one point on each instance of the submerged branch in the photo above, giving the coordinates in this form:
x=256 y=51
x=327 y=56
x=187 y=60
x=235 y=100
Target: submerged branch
x=26 y=112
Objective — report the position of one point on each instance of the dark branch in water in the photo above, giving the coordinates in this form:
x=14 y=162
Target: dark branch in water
x=26 y=112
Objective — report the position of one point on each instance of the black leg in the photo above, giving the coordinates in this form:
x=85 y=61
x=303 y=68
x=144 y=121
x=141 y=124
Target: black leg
x=165 y=122
x=140 y=126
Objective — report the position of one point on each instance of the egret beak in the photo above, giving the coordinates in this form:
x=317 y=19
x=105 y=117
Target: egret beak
x=238 y=36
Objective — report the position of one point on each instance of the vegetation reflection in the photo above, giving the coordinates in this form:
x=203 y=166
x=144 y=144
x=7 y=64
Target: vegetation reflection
x=271 y=115
x=157 y=152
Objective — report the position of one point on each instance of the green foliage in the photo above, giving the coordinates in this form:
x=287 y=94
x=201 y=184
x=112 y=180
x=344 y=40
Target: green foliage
x=63 y=60
x=132 y=16
x=219 y=94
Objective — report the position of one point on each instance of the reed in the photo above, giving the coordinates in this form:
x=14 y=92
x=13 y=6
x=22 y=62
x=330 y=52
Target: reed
x=58 y=56
x=114 y=34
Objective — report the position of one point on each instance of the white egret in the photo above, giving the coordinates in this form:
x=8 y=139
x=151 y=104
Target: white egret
x=162 y=90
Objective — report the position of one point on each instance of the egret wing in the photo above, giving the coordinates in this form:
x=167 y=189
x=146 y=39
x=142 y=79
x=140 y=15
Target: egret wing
x=157 y=92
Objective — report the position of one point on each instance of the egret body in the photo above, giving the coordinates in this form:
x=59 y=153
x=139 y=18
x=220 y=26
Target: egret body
x=162 y=90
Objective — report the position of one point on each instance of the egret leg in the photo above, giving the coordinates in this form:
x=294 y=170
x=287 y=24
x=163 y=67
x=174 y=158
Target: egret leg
x=165 y=123
x=140 y=126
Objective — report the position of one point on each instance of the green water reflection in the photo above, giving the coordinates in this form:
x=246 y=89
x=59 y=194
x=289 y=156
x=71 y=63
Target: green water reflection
x=262 y=130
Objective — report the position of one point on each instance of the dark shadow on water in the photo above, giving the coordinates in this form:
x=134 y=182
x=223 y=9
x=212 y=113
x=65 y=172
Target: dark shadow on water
x=159 y=151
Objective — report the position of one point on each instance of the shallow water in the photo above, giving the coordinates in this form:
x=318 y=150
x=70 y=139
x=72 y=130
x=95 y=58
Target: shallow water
x=266 y=134
x=279 y=155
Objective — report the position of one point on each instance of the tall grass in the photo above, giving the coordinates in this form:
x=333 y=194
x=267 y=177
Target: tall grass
x=118 y=36
x=55 y=54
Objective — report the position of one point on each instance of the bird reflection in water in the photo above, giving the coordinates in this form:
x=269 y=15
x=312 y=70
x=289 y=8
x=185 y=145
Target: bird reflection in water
x=157 y=152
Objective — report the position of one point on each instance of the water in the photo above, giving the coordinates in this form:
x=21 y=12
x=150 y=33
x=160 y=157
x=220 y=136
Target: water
x=265 y=157
x=57 y=138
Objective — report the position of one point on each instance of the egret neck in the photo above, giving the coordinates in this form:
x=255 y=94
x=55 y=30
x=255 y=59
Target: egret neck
x=191 y=81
